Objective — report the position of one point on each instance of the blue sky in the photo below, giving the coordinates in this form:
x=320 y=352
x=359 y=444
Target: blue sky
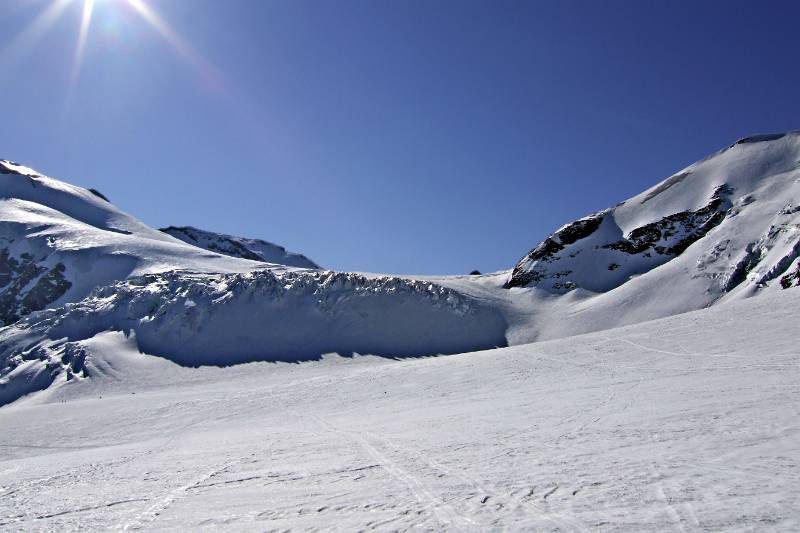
x=403 y=136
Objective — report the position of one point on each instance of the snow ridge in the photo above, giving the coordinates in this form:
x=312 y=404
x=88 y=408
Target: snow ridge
x=253 y=249
x=748 y=192
x=201 y=319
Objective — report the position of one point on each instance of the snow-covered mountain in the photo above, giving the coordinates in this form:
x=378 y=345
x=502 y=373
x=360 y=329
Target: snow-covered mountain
x=723 y=228
x=72 y=266
x=253 y=249
x=58 y=242
x=731 y=221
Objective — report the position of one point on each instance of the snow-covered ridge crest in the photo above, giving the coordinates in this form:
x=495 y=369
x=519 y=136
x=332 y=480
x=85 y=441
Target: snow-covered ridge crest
x=252 y=249
x=205 y=319
x=736 y=209
x=59 y=241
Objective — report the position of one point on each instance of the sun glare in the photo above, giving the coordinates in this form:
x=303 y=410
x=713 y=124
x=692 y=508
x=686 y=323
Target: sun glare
x=89 y=10
x=86 y=19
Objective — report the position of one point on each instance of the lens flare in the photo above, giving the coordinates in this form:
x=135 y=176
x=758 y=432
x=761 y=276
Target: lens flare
x=27 y=39
x=86 y=20
x=20 y=45
x=206 y=70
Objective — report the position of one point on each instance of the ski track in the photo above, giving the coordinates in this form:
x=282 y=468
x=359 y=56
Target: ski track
x=165 y=501
x=444 y=513
x=587 y=434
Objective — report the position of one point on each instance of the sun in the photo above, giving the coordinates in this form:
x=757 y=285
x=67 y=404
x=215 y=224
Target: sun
x=140 y=7
x=143 y=8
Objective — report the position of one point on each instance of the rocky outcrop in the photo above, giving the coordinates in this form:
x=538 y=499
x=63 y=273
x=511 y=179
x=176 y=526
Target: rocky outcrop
x=548 y=251
x=791 y=279
x=28 y=285
x=580 y=246
x=241 y=247
x=673 y=234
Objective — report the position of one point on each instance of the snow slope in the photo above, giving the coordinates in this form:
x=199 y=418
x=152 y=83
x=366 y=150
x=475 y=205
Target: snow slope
x=688 y=423
x=739 y=208
x=253 y=249
x=88 y=267
x=59 y=241
x=724 y=228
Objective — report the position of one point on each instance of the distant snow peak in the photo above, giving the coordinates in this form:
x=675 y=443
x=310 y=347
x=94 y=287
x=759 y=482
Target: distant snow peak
x=244 y=248
x=10 y=167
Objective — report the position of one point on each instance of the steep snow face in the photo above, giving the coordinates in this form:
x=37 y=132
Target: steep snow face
x=731 y=221
x=202 y=319
x=253 y=249
x=59 y=241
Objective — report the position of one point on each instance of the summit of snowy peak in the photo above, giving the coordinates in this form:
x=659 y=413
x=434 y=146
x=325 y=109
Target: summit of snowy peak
x=242 y=247
x=763 y=137
x=87 y=206
x=728 y=223
x=59 y=241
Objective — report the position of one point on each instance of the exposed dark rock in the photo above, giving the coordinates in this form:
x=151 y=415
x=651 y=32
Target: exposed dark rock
x=564 y=286
x=222 y=246
x=26 y=286
x=761 y=138
x=475 y=273
x=50 y=287
x=669 y=237
x=580 y=229
x=693 y=225
x=792 y=279
x=252 y=249
x=547 y=250
x=544 y=252
x=99 y=194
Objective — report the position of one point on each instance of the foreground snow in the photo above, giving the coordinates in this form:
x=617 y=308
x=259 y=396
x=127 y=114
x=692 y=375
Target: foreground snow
x=685 y=423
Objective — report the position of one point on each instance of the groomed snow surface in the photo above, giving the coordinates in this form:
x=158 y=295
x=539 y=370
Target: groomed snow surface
x=687 y=423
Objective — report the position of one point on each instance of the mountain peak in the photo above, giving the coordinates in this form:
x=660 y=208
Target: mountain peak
x=241 y=247
x=728 y=223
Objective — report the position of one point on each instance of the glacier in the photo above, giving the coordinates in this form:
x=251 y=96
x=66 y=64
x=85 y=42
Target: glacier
x=635 y=371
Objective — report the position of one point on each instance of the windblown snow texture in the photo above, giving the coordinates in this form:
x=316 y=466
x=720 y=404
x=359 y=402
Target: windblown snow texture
x=688 y=423
x=115 y=414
